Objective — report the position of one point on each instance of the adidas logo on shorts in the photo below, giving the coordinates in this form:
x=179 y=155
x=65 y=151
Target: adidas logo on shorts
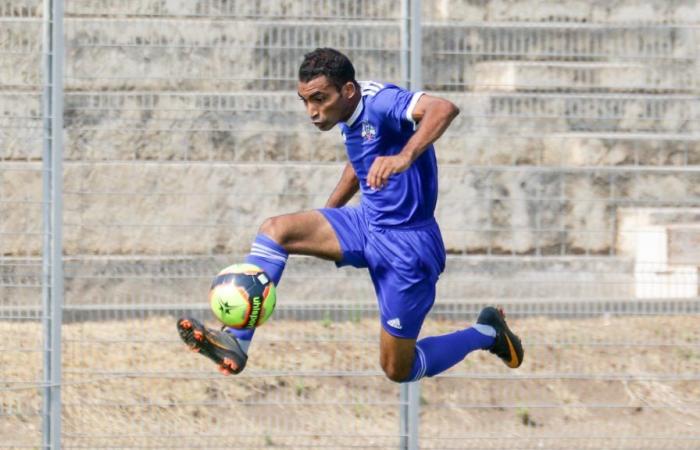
x=394 y=323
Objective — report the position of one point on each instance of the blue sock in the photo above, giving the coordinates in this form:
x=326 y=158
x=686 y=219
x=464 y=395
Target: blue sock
x=436 y=354
x=270 y=257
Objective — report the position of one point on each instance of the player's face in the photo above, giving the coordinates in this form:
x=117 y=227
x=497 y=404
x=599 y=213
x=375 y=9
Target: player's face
x=326 y=105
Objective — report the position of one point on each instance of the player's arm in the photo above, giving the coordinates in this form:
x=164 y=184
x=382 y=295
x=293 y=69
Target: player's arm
x=434 y=115
x=346 y=188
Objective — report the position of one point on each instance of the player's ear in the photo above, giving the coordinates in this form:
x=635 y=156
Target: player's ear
x=348 y=90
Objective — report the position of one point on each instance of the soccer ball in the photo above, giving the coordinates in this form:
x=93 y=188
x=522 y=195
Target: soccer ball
x=242 y=296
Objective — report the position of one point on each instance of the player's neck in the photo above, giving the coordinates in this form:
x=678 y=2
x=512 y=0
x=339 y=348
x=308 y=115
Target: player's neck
x=352 y=106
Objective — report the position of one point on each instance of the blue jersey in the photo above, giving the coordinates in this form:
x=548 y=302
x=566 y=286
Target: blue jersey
x=381 y=125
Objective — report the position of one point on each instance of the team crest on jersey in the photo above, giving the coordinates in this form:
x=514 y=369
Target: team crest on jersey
x=368 y=131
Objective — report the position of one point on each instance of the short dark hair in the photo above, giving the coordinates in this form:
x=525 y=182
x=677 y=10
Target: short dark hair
x=329 y=62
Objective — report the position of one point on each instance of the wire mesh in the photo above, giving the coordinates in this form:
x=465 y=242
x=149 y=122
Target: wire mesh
x=21 y=233
x=568 y=194
x=576 y=155
x=183 y=130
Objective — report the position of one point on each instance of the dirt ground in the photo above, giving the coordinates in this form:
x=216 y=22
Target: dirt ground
x=609 y=382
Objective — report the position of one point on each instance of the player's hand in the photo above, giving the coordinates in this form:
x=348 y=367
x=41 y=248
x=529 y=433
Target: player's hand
x=385 y=166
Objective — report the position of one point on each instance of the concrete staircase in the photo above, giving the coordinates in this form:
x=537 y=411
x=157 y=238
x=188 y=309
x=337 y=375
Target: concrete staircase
x=189 y=101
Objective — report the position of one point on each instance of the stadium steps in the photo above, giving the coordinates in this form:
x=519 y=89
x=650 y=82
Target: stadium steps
x=139 y=284
x=102 y=57
x=565 y=76
x=661 y=11
x=565 y=12
x=269 y=127
x=138 y=207
x=117 y=119
x=529 y=128
x=330 y=312
x=198 y=54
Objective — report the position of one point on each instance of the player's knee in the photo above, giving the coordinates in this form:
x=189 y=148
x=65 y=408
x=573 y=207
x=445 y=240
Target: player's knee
x=274 y=228
x=395 y=371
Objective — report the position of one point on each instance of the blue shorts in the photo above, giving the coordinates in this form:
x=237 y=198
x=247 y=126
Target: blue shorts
x=404 y=264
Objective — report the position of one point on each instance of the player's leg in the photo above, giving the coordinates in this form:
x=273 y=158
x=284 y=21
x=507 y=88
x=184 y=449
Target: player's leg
x=435 y=354
x=402 y=357
x=304 y=233
x=405 y=266
x=336 y=234
x=307 y=233
x=396 y=356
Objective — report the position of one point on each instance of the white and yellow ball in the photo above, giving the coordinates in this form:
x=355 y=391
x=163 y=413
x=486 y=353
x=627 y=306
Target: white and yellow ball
x=242 y=296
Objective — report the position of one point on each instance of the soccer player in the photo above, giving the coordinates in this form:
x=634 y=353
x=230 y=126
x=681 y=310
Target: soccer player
x=388 y=134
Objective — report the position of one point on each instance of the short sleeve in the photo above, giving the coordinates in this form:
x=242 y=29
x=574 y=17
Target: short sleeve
x=396 y=105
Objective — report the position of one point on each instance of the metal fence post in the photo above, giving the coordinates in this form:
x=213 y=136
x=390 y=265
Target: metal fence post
x=416 y=46
x=52 y=217
x=405 y=42
x=409 y=418
x=411 y=42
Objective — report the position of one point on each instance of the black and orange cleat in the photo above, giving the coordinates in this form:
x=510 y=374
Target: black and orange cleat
x=507 y=345
x=219 y=346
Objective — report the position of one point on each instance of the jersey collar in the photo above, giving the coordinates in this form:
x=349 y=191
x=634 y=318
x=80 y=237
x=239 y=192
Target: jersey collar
x=356 y=113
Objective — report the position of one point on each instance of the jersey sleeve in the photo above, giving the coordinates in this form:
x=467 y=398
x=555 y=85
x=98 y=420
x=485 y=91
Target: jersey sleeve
x=396 y=105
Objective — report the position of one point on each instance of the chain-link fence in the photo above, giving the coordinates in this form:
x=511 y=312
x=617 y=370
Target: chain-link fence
x=568 y=194
x=22 y=235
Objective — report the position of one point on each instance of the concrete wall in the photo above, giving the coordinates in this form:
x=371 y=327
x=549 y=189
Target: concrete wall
x=183 y=130
x=167 y=284
x=546 y=129
x=192 y=208
x=606 y=11
x=202 y=55
x=620 y=11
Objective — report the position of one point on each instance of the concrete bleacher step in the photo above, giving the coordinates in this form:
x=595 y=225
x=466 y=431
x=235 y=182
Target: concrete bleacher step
x=267 y=9
x=218 y=59
x=313 y=289
x=552 y=41
x=570 y=150
x=184 y=53
x=21 y=125
x=496 y=128
x=680 y=222
x=264 y=127
x=634 y=77
x=312 y=282
x=566 y=11
x=584 y=112
x=138 y=207
x=21 y=60
x=203 y=55
x=21 y=8
x=282 y=111
x=571 y=11
x=273 y=126
x=663 y=242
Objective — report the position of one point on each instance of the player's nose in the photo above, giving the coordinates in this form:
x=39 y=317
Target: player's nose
x=313 y=112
